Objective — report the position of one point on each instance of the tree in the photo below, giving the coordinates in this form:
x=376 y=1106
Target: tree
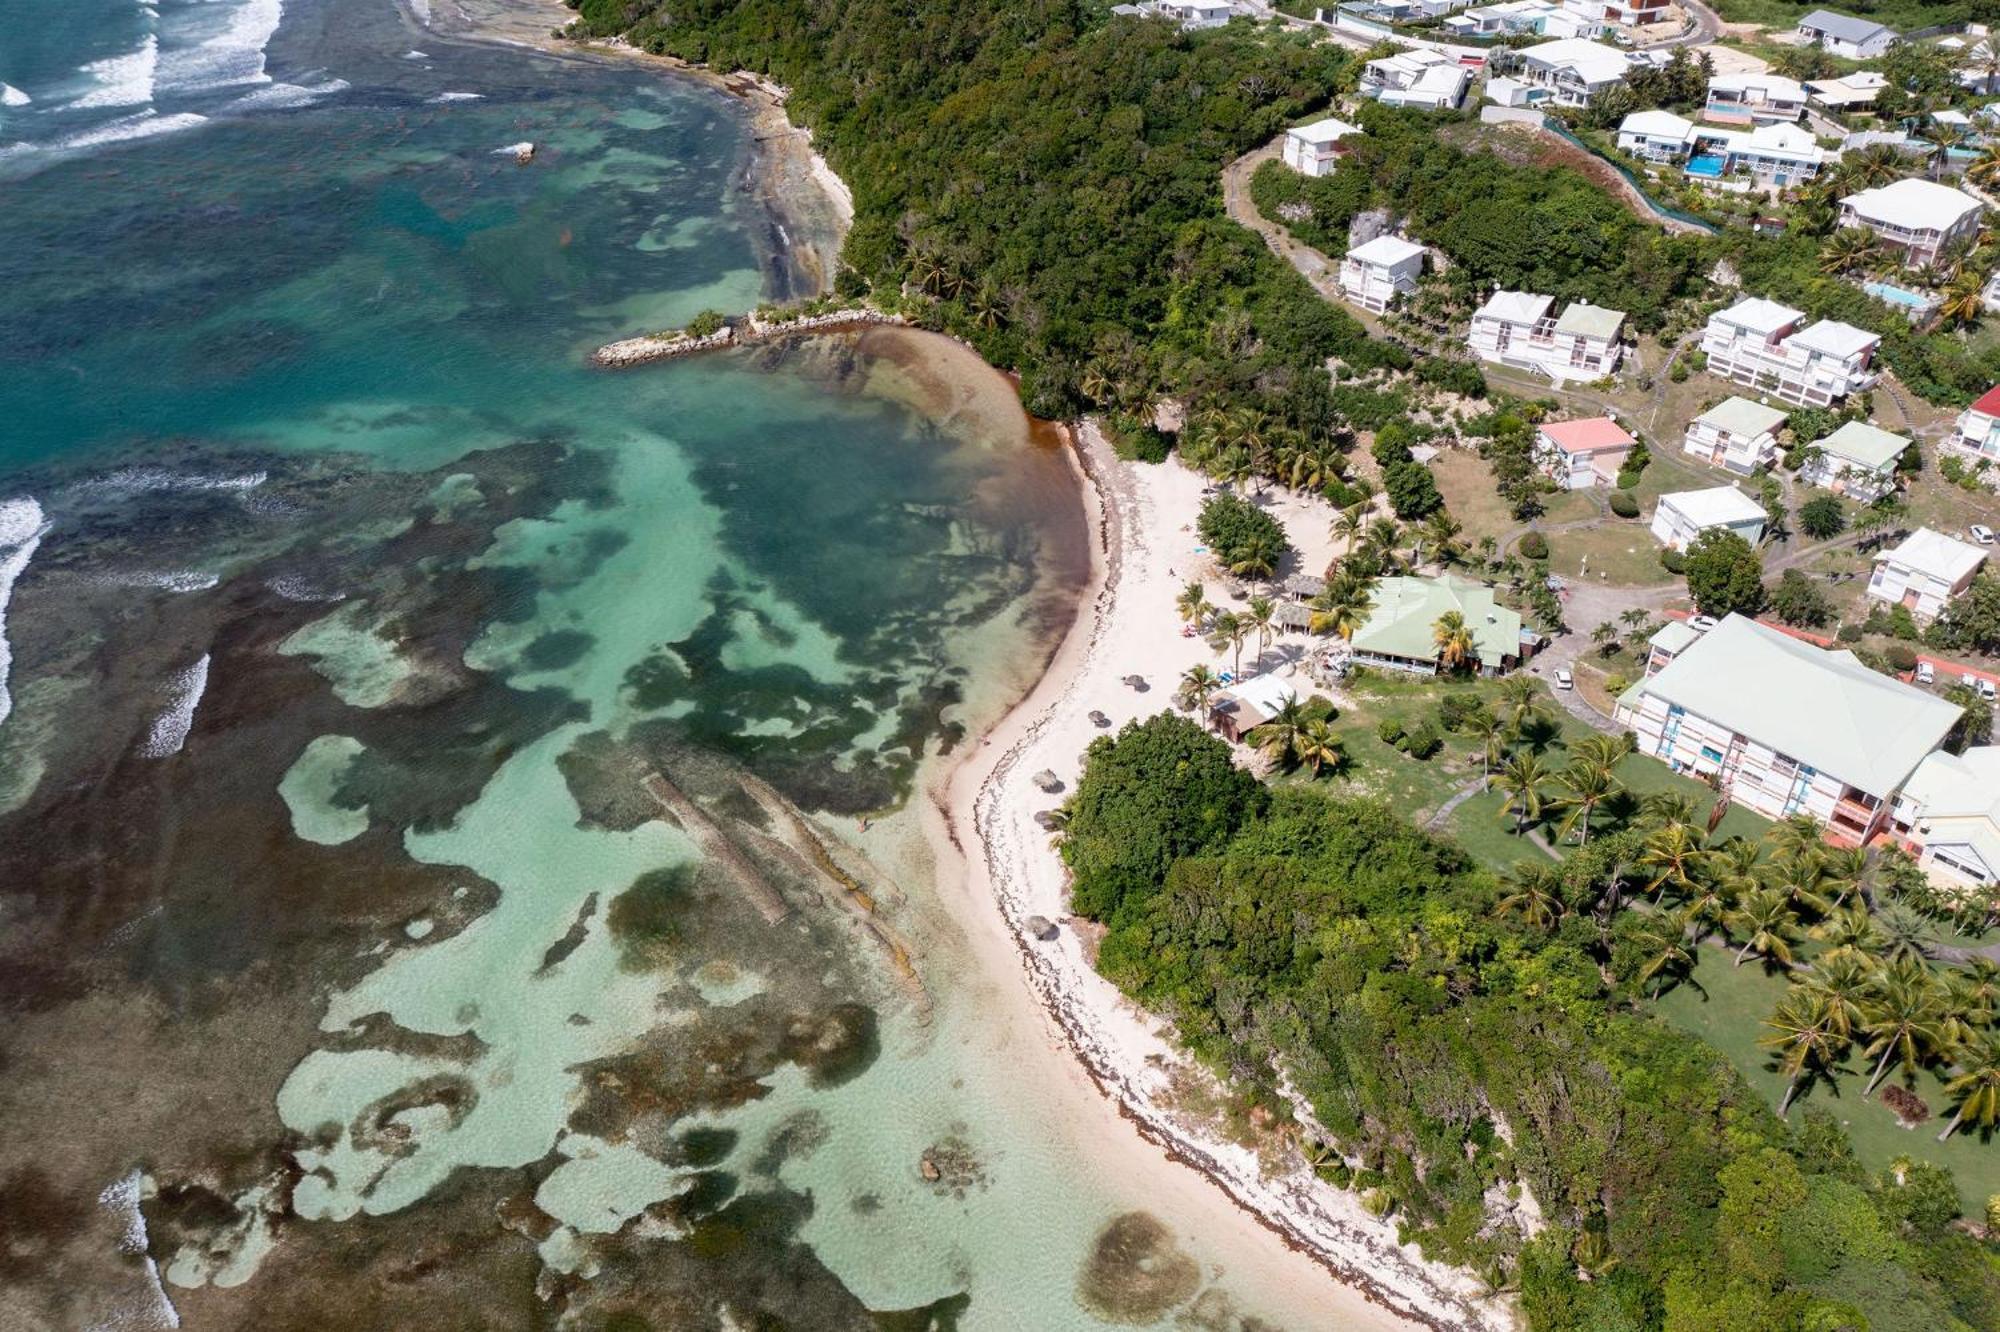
x=1605 y=636
x=1848 y=250
x=1584 y=786
x=1242 y=536
x=1725 y=576
x=1198 y=685
x=1342 y=608
x=1490 y=732
x=1193 y=604
x=1278 y=737
x=1906 y=933
x=1261 y=611
x=1769 y=927
x=1532 y=893
x=1672 y=854
x=1822 y=516
x=1903 y=1023
x=1455 y=646
x=1802 y=1033
x=1962 y=303
x=1970 y=621
x=1523 y=778
x=1231 y=630
x=1666 y=940
x=1317 y=747
x=1798 y=600
x=1411 y=489
x=1519 y=700
x=1975 y=1086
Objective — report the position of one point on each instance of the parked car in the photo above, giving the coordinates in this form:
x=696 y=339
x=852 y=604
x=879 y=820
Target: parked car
x=1984 y=688
x=1564 y=680
x=1982 y=534
x=1925 y=675
x=1701 y=624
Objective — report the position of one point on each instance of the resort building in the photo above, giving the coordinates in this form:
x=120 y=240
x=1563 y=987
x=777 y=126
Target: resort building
x=1686 y=514
x=1574 y=71
x=1858 y=461
x=1419 y=78
x=1852 y=92
x=1515 y=328
x=1577 y=455
x=1400 y=634
x=1375 y=273
x=1769 y=347
x=1843 y=35
x=1948 y=815
x=1774 y=155
x=1784 y=727
x=1917 y=217
x=1755 y=99
x=1924 y=572
x=1977 y=434
x=1316 y=149
x=1248 y=704
x=1736 y=434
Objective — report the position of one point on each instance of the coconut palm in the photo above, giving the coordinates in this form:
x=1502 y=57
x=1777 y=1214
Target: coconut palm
x=1519 y=699
x=1261 y=611
x=1984 y=170
x=1768 y=926
x=1793 y=837
x=1523 y=778
x=1843 y=980
x=1347 y=528
x=1230 y=629
x=1277 y=737
x=1601 y=751
x=1664 y=807
x=1736 y=867
x=1581 y=788
x=1198 y=685
x=1851 y=928
x=1905 y=933
x=1193 y=604
x=1256 y=558
x=1848 y=250
x=1380 y=539
x=1342 y=608
x=1442 y=532
x=1671 y=855
x=1491 y=733
x=1802 y=1033
x=1847 y=871
x=1453 y=637
x=1317 y=747
x=1904 y=1023
x=1666 y=939
x=1877 y=164
x=1533 y=893
x=1962 y=303
x=1802 y=879
x=1975 y=1086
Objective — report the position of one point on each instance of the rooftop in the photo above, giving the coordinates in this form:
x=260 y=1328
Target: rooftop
x=1870 y=446
x=1595 y=434
x=1988 y=403
x=1942 y=557
x=1774 y=86
x=1824 y=709
x=1759 y=315
x=1834 y=338
x=1330 y=130
x=1958 y=799
x=1406 y=609
x=1591 y=321
x=1387 y=250
x=1912 y=203
x=1259 y=698
x=1741 y=416
x=1718 y=506
x=1656 y=125
x=1515 y=307
x=1592 y=61
x=1842 y=27
x=1673 y=636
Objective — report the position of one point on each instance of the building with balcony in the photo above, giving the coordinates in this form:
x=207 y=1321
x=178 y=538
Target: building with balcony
x=1784 y=727
x=1316 y=149
x=1754 y=99
x=1376 y=272
x=1916 y=218
x=1420 y=78
x=1844 y=35
x=1924 y=571
x=1400 y=632
x=1575 y=71
x=1769 y=347
x=1577 y=455
x=1684 y=515
x=1858 y=461
x=1948 y=816
x=1516 y=328
x=1976 y=437
x=1736 y=434
x=1851 y=92
x=1770 y=155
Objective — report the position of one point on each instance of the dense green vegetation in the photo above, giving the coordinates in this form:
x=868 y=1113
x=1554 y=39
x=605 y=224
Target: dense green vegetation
x=1902 y=15
x=1457 y=1040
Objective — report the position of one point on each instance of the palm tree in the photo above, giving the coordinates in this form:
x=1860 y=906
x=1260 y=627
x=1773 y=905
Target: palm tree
x=1843 y=980
x=1257 y=558
x=1768 y=925
x=1905 y=933
x=1278 y=737
x=1198 y=685
x=1231 y=629
x=1666 y=941
x=1802 y=880
x=1519 y=700
x=1976 y=1086
x=1442 y=531
x=1938 y=141
x=1532 y=894
x=1904 y=1023
x=1877 y=164
x=1664 y=807
x=1604 y=635
x=1316 y=746
x=1455 y=645
x=1851 y=928
x=1489 y=731
x=1584 y=786
x=1673 y=853
x=1381 y=538
x=1736 y=866
x=1794 y=837
x=1963 y=301
x=1193 y=603
x=1847 y=869
x=1522 y=777
x=1348 y=527
x=1261 y=611
x=1984 y=170
x=1341 y=609
x=1601 y=751
x=1849 y=249
x=1802 y=1033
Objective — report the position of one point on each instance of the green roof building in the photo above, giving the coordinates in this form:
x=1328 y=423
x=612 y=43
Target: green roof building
x=1400 y=634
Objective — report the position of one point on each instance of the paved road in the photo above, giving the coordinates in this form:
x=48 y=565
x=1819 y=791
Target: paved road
x=1315 y=267
x=1707 y=27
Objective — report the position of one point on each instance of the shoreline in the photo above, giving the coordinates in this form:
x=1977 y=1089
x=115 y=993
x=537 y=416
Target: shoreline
x=983 y=807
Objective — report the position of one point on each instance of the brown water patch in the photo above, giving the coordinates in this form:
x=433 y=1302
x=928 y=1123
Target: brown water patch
x=1136 y=1271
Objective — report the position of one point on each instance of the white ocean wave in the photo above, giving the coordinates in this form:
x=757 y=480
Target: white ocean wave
x=222 y=58
x=171 y=727
x=145 y=480
x=12 y=96
x=294 y=588
x=515 y=149
x=122 y=1199
x=124 y=80
x=185 y=580
x=284 y=96
x=21 y=529
x=457 y=97
x=414 y=54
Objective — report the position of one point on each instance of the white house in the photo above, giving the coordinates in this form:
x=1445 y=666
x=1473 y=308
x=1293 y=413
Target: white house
x=1684 y=515
x=1657 y=136
x=1195 y=14
x=1315 y=149
x=1630 y=13
x=1977 y=434
x=1574 y=71
x=1754 y=99
x=1420 y=78
x=1845 y=36
x=1858 y=460
x=1761 y=344
x=1917 y=217
x=1924 y=572
x=1774 y=154
x=1736 y=434
x=1577 y=455
x=1537 y=18
x=1851 y=92
x=1375 y=273
x=1515 y=328
x=1948 y=813
x=1784 y=727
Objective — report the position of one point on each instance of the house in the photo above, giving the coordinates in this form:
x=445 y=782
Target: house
x=1977 y=434
x=1657 y=136
x=1419 y=78
x=1685 y=514
x=1515 y=328
x=1775 y=154
x=1248 y=704
x=1845 y=36
x=1754 y=99
x=1851 y=92
x=1736 y=434
x=1858 y=461
x=1196 y=14
x=1948 y=814
x=1374 y=274
x=1400 y=632
x=1924 y=572
x=1761 y=344
x=1917 y=217
x=1577 y=455
x=1784 y=727
x=1574 y=71
x=1524 y=18
x=1315 y=149
x=1503 y=91
x=1629 y=13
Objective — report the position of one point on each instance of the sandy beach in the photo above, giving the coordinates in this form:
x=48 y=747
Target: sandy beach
x=1144 y=554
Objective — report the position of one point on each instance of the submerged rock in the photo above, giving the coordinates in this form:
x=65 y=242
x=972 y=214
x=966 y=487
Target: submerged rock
x=1136 y=1272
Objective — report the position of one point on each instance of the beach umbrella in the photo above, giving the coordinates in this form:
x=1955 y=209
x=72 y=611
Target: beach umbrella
x=1047 y=780
x=1135 y=682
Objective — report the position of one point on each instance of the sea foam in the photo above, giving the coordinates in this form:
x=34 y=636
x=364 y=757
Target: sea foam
x=124 y=80
x=12 y=96
x=224 y=57
x=171 y=727
x=21 y=529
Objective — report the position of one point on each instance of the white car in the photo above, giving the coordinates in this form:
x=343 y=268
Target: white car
x=1701 y=624
x=1982 y=534
x=1564 y=680
x=1984 y=688
x=1925 y=675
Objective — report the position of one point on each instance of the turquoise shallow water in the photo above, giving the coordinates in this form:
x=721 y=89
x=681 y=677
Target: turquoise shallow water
x=395 y=946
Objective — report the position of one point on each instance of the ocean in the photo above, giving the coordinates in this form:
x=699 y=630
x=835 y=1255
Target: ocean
x=456 y=856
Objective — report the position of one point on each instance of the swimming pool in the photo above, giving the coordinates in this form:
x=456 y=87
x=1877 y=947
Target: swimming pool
x=1707 y=164
x=1914 y=301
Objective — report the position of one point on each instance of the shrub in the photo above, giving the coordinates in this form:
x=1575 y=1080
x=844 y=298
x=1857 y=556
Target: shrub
x=705 y=323
x=1624 y=503
x=1903 y=624
x=1455 y=709
x=1412 y=490
x=1849 y=633
x=1627 y=480
x=1137 y=441
x=1822 y=516
x=1391 y=731
x=1236 y=529
x=1534 y=546
x=1901 y=657
x=1422 y=741
x=1673 y=561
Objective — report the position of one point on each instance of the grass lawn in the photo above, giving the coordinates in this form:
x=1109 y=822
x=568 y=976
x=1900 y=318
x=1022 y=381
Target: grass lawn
x=1621 y=552
x=1726 y=1007
x=1415 y=787
x=1466 y=483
